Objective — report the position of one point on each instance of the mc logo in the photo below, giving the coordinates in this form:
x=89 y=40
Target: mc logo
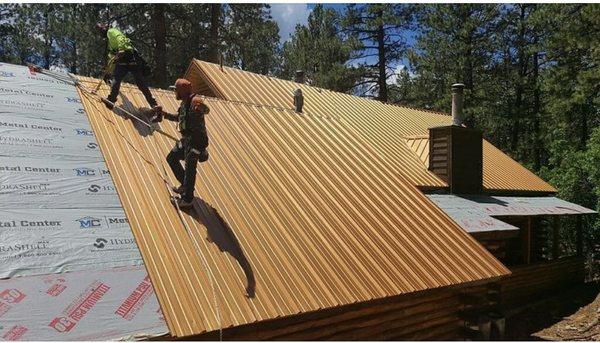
x=92 y=145
x=80 y=111
x=69 y=99
x=89 y=222
x=94 y=188
x=84 y=132
x=84 y=172
x=100 y=243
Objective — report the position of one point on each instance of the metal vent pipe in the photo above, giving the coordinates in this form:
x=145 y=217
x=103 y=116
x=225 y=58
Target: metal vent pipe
x=298 y=100
x=457 y=104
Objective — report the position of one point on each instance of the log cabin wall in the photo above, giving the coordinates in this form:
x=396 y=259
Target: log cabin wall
x=533 y=255
x=528 y=283
x=428 y=315
x=440 y=314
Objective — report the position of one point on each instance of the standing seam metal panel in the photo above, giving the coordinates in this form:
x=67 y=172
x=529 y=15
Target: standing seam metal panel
x=382 y=125
x=299 y=202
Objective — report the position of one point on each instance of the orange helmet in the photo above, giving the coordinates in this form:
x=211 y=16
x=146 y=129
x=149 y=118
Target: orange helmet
x=183 y=88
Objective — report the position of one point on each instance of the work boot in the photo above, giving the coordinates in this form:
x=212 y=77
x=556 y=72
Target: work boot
x=179 y=190
x=181 y=203
x=109 y=104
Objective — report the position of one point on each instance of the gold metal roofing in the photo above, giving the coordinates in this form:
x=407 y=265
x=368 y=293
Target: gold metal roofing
x=383 y=126
x=297 y=208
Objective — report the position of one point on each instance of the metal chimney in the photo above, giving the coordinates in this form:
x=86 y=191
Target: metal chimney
x=457 y=104
x=456 y=152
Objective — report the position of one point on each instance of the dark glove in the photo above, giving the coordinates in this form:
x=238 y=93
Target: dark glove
x=157 y=118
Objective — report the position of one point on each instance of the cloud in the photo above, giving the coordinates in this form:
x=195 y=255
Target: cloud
x=400 y=68
x=288 y=16
x=394 y=77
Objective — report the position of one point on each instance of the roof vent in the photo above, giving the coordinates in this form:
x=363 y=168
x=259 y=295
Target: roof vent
x=298 y=100
x=457 y=104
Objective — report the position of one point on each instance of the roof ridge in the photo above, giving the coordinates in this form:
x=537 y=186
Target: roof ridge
x=88 y=79
x=325 y=89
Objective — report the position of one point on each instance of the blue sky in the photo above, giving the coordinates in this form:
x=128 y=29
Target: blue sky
x=288 y=15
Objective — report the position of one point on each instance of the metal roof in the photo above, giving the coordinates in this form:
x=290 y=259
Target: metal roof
x=299 y=208
x=383 y=126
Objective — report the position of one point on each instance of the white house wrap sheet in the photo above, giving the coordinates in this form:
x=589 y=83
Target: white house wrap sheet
x=70 y=268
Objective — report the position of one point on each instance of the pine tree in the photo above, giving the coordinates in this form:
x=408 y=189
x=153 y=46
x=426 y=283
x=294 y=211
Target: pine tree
x=322 y=52
x=160 y=44
x=379 y=28
x=6 y=12
x=214 y=49
x=571 y=88
x=252 y=38
x=455 y=44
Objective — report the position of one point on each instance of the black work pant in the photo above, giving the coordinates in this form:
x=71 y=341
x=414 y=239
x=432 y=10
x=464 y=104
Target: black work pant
x=119 y=74
x=186 y=149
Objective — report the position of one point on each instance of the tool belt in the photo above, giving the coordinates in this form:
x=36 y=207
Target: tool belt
x=134 y=59
x=196 y=144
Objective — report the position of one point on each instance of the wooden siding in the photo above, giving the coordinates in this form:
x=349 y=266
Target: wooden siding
x=531 y=282
x=428 y=315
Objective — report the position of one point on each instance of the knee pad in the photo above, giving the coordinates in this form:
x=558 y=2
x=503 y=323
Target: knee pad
x=203 y=156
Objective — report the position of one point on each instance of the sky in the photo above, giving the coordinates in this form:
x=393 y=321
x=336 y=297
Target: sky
x=288 y=15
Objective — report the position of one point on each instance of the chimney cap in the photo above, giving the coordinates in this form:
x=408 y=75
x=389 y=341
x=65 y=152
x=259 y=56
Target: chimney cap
x=299 y=76
x=458 y=87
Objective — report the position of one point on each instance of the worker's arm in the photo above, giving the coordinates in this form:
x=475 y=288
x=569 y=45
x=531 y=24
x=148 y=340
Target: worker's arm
x=170 y=116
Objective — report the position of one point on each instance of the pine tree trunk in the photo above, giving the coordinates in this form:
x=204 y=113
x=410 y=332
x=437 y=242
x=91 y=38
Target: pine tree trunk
x=215 y=22
x=537 y=145
x=381 y=79
x=47 y=36
x=73 y=67
x=195 y=27
x=518 y=108
x=160 y=48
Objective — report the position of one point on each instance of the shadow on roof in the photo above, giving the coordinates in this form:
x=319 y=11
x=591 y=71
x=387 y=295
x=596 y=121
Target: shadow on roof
x=141 y=113
x=219 y=233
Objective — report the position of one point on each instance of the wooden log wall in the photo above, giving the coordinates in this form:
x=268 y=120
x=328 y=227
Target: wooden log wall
x=497 y=243
x=441 y=314
x=428 y=315
x=532 y=282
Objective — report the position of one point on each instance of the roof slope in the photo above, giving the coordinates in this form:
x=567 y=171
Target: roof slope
x=296 y=206
x=382 y=125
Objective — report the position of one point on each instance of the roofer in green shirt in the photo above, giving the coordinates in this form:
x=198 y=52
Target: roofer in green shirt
x=123 y=59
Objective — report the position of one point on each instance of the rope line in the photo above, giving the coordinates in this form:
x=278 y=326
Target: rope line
x=70 y=79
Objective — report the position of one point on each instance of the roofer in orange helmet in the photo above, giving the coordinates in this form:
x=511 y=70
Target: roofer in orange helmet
x=192 y=146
